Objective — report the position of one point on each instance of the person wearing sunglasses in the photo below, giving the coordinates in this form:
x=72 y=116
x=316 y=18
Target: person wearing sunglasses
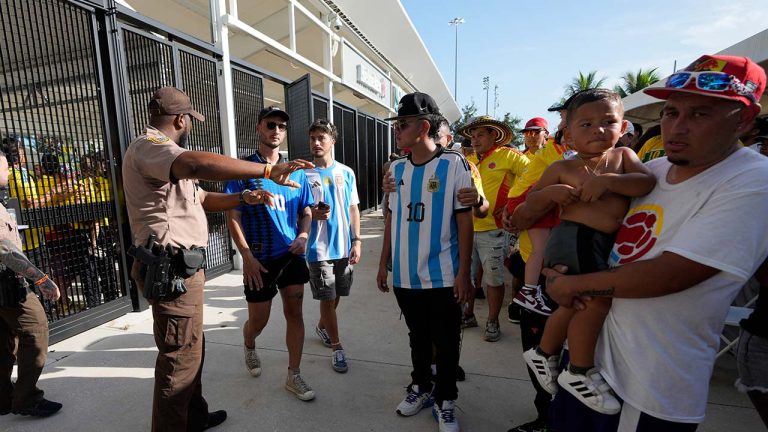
x=428 y=236
x=272 y=240
x=164 y=201
x=535 y=134
x=682 y=254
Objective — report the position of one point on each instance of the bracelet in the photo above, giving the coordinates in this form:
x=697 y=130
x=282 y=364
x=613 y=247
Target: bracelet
x=267 y=171
x=42 y=280
x=479 y=202
x=242 y=196
x=354 y=239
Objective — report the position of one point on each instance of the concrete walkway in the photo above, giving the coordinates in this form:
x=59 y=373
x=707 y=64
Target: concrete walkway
x=104 y=376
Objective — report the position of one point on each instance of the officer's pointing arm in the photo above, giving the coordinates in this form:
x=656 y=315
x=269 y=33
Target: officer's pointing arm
x=215 y=167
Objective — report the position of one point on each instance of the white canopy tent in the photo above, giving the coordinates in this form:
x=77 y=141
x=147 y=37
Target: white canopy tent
x=644 y=109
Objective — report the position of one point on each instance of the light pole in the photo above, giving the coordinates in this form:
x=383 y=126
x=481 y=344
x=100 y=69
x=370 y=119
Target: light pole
x=456 y=22
x=486 y=86
x=495 y=98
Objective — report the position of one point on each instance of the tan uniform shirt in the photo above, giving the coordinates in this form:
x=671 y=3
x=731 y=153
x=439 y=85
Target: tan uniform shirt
x=173 y=211
x=8 y=229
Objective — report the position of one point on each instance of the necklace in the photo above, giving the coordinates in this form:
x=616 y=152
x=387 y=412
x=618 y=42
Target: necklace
x=593 y=171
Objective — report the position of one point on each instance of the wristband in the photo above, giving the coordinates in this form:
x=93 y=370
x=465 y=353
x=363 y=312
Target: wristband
x=42 y=280
x=354 y=239
x=267 y=171
x=242 y=196
x=479 y=202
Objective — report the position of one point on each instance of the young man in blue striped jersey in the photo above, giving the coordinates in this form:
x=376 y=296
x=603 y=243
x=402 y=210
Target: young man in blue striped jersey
x=428 y=234
x=334 y=241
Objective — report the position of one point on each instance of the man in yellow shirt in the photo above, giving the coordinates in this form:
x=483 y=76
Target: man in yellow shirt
x=498 y=166
x=535 y=134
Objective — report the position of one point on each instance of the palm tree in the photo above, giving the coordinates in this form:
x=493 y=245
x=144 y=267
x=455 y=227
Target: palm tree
x=583 y=82
x=634 y=82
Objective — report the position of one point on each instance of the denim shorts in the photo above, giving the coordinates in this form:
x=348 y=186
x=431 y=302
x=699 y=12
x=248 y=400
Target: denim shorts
x=752 y=363
x=330 y=279
x=490 y=247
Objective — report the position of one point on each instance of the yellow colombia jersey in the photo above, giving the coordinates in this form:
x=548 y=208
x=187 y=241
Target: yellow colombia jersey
x=476 y=180
x=550 y=152
x=652 y=149
x=498 y=169
x=23 y=187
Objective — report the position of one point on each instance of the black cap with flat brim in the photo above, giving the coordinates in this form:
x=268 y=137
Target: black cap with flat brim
x=415 y=105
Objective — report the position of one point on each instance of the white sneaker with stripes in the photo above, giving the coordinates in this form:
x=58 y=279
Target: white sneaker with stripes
x=544 y=369
x=591 y=389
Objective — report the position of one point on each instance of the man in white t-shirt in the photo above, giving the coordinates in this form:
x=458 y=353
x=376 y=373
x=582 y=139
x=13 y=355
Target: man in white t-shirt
x=681 y=255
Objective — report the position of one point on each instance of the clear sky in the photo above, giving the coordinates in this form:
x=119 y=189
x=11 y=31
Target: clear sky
x=532 y=49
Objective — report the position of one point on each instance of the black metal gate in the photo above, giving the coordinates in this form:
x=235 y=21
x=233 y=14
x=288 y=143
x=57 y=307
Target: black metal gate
x=248 y=95
x=53 y=131
x=298 y=104
x=150 y=63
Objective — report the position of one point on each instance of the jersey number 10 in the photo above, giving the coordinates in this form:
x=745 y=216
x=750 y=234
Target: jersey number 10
x=416 y=212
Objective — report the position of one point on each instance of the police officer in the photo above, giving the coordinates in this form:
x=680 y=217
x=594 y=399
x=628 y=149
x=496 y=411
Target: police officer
x=164 y=199
x=23 y=323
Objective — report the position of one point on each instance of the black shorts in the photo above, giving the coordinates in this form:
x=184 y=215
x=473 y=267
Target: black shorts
x=286 y=270
x=581 y=248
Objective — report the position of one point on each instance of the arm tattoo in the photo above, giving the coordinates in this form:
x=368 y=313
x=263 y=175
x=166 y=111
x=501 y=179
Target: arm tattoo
x=15 y=260
x=608 y=292
x=550 y=280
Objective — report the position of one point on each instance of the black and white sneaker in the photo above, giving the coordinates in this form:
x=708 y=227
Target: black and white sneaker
x=544 y=369
x=591 y=389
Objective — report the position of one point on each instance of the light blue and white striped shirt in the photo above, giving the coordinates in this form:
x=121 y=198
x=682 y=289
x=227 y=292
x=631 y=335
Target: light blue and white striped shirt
x=331 y=239
x=424 y=236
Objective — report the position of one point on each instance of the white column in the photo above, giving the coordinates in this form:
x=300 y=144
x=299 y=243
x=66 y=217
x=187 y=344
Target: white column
x=226 y=95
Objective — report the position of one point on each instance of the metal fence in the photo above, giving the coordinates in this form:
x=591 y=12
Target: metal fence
x=53 y=134
x=248 y=95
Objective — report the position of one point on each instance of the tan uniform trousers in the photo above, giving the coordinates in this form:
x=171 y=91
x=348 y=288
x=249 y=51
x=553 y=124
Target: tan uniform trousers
x=23 y=340
x=178 y=403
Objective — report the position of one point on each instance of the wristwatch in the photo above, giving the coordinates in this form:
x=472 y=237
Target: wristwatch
x=242 y=196
x=479 y=202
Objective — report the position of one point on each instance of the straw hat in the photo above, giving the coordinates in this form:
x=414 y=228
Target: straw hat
x=503 y=131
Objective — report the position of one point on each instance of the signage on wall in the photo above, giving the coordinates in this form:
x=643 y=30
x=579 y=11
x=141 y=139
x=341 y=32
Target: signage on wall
x=361 y=75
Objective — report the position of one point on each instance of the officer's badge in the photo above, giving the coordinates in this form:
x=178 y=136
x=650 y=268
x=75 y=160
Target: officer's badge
x=158 y=139
x=433 y=184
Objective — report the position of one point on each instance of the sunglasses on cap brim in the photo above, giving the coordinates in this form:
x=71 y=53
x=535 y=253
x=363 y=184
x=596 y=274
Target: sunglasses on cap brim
x=710 y=81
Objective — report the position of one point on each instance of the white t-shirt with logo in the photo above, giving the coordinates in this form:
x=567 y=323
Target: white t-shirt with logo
x=658 y=353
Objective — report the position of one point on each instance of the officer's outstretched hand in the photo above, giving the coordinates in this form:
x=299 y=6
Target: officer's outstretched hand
x=281 y=173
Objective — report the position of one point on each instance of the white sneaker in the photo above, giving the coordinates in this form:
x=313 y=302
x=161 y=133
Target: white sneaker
x=414 y=402
x=591 y=389
x=295 y=384
x=446 y=416
x=252 y=361
x=544 y=369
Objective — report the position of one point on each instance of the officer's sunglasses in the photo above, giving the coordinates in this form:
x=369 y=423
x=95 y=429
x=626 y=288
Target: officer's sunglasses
x=281 y=126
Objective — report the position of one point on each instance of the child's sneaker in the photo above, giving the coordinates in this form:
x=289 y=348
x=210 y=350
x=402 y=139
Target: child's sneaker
x=414 y=402
x=526 y=296
x=446 y=416
x=544 y=369
x=591 y=389
x=532 y=298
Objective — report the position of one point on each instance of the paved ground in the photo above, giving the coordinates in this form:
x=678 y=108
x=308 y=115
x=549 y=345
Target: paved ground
x=104 y=376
